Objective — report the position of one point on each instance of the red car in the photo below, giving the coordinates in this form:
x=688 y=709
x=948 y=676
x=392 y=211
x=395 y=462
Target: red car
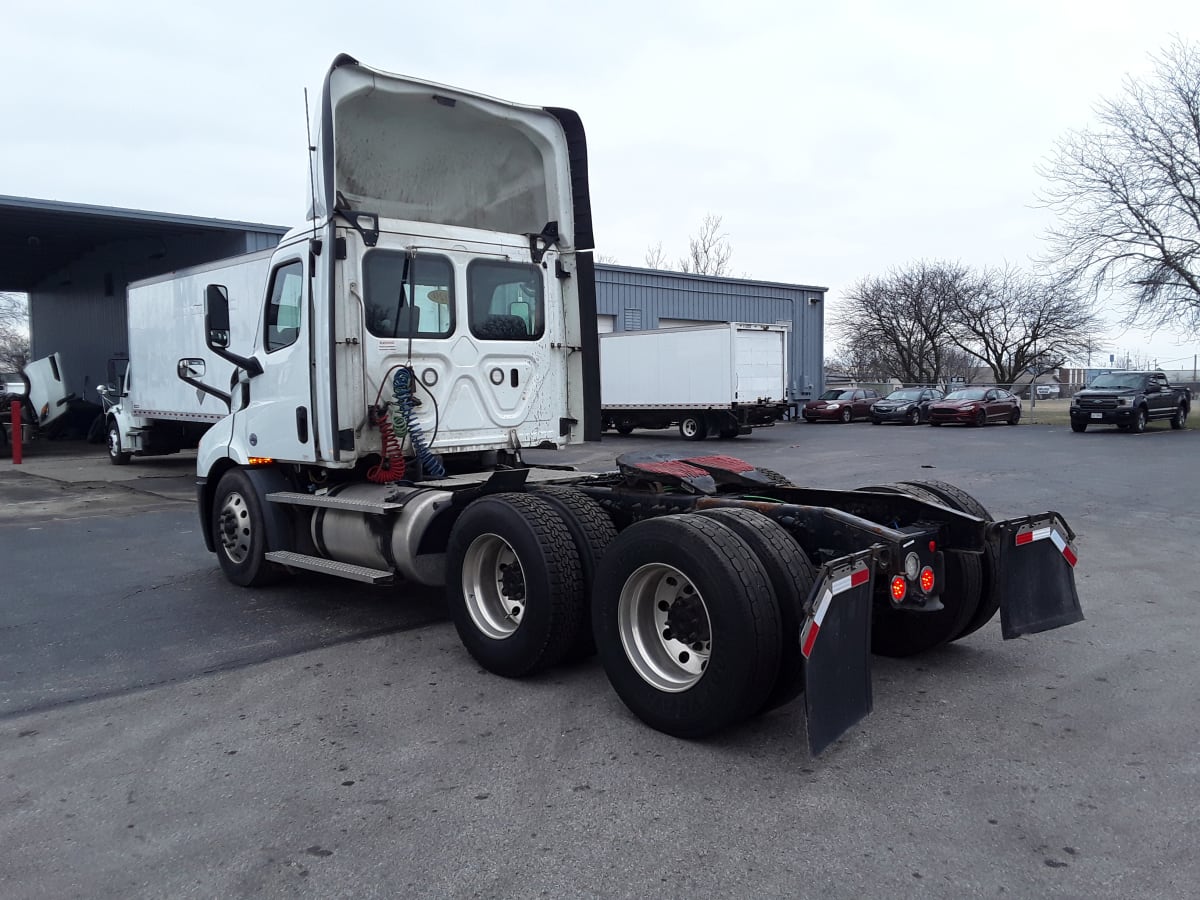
x=840 y=405
x=976 y=406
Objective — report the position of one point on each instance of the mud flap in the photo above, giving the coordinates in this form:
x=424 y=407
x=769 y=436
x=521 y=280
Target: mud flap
x=1036 y=575
x=835 y=642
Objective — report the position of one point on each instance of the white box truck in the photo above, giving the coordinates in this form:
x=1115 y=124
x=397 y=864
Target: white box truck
x=433 y=318
x=711 y=380
x=44 y=401
x=162 y=403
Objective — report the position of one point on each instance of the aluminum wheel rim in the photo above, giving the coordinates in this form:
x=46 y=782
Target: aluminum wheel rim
x=234 y=527
x=493 y=585
x=654 y=598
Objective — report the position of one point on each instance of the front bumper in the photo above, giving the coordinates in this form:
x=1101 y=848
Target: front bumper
x=891 y=415
x=1122 y=415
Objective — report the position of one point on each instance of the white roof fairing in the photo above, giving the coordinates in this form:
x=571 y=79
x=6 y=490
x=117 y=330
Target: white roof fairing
x=415 y=151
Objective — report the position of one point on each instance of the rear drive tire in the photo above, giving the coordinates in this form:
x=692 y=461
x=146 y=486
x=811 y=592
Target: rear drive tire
x=515 y=585
x=239 y=531
x=1014 y=417
x=899 y=633
x=592 y=531
x=791 y=575
x=693 y=428
x=686 y=624
x=989 y=597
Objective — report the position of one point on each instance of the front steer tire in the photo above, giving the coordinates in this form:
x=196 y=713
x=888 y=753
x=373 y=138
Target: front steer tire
x=514 y=584
x=687 y=625
x=239 y=532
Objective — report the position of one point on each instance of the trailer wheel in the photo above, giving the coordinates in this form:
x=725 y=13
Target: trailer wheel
x=686 y=624
x=897 y=632
x=514 y=585
x=775 y=477
x=116 y=455
x=791 y=575
x=240 y=532
x=693 y=428
x=592 y=531
x=989 y=598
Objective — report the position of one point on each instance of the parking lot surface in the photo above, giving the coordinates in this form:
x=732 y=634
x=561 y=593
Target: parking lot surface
x=165 y=734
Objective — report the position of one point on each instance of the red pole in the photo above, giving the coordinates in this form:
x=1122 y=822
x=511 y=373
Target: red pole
x=16 y=432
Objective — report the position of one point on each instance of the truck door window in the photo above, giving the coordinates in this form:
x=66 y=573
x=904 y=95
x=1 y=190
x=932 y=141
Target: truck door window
x=283 y=306
x=506 y=300
x=408 y=296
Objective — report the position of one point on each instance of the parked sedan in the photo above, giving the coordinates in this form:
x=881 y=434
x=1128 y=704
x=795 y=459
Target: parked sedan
x=840 y=405
x=976 y=406
x=907 y=405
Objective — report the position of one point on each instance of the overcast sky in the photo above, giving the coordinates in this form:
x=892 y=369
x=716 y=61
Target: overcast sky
x=836 y=139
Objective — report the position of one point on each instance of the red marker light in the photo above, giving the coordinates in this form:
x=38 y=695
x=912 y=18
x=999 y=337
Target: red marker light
x=927 y=580
x=933 y=546
x=899 y=588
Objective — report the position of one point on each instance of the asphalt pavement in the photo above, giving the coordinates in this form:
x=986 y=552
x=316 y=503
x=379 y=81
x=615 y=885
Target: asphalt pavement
x=165 y=734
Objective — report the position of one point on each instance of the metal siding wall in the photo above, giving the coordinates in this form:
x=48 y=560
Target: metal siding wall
x=672 y=295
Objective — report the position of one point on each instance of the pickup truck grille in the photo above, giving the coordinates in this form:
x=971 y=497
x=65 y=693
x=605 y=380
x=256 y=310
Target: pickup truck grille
x=1097 y=402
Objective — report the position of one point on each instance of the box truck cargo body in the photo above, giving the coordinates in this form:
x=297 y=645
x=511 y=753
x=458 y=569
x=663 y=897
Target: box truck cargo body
x=710 y=380
x=158 y=407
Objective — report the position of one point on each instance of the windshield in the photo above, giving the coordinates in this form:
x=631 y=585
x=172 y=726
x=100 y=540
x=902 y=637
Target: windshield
x=967 y=394
x=907 y=394
x=1117 y=380
x=837 y=395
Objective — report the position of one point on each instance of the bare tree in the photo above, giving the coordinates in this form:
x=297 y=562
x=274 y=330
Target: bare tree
x=1128 y=195
x=655 y=258
x=708 y=251
x=1018 y=323
x=14 y=332
x=605 y=258
x=901 y=321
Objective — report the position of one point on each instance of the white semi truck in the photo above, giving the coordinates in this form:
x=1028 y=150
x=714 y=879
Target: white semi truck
x=713 y=380
x=164 y=404
x=43 y=399
x=433 y=319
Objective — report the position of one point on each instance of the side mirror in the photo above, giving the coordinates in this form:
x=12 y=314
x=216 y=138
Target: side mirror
x=216 y=317
x=190 y=368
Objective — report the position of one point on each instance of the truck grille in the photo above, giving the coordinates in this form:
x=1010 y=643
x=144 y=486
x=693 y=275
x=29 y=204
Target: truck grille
x=1097 y=402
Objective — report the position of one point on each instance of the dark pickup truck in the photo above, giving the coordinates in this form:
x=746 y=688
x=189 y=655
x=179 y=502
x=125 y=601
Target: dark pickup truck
x=1129 y=400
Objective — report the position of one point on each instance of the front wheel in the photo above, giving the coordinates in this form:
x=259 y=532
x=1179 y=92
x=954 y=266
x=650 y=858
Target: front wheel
x=686 y=624
x=914 y=417
x=117 y=455
x=980 y=419
x=692 y=428
x=1139 y=421
x=240 y=532
x=847 y=415
x=1079 y=427
x=1179 y=420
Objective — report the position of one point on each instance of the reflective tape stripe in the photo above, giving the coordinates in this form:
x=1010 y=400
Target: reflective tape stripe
x=1040 y=534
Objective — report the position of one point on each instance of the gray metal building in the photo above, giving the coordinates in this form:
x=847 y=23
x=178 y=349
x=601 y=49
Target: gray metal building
x=632 y=299
x=75 y=261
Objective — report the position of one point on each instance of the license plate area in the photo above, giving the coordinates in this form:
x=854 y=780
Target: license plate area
x=1097 y=415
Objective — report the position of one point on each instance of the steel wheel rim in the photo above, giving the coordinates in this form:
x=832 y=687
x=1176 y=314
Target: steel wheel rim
x=690 y=427
x=656 y=600
x=234 y=527
x=493 y=584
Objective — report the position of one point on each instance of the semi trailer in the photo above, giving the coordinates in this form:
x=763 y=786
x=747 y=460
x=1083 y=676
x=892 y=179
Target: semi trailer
x=714 y=380
x=431 y=321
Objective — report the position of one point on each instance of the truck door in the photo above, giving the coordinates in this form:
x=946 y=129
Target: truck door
x=278 y=421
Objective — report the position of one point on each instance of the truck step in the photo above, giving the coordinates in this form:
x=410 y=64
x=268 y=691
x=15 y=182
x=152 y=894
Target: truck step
x=296 y=498
x=331 y=567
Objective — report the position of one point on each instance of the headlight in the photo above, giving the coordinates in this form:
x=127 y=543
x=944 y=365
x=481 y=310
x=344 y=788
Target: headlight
x=1124 y=401
x=833 y=406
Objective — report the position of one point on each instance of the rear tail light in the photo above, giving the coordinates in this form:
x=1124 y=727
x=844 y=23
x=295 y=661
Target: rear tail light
x=927 y=580
x=899 y=588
